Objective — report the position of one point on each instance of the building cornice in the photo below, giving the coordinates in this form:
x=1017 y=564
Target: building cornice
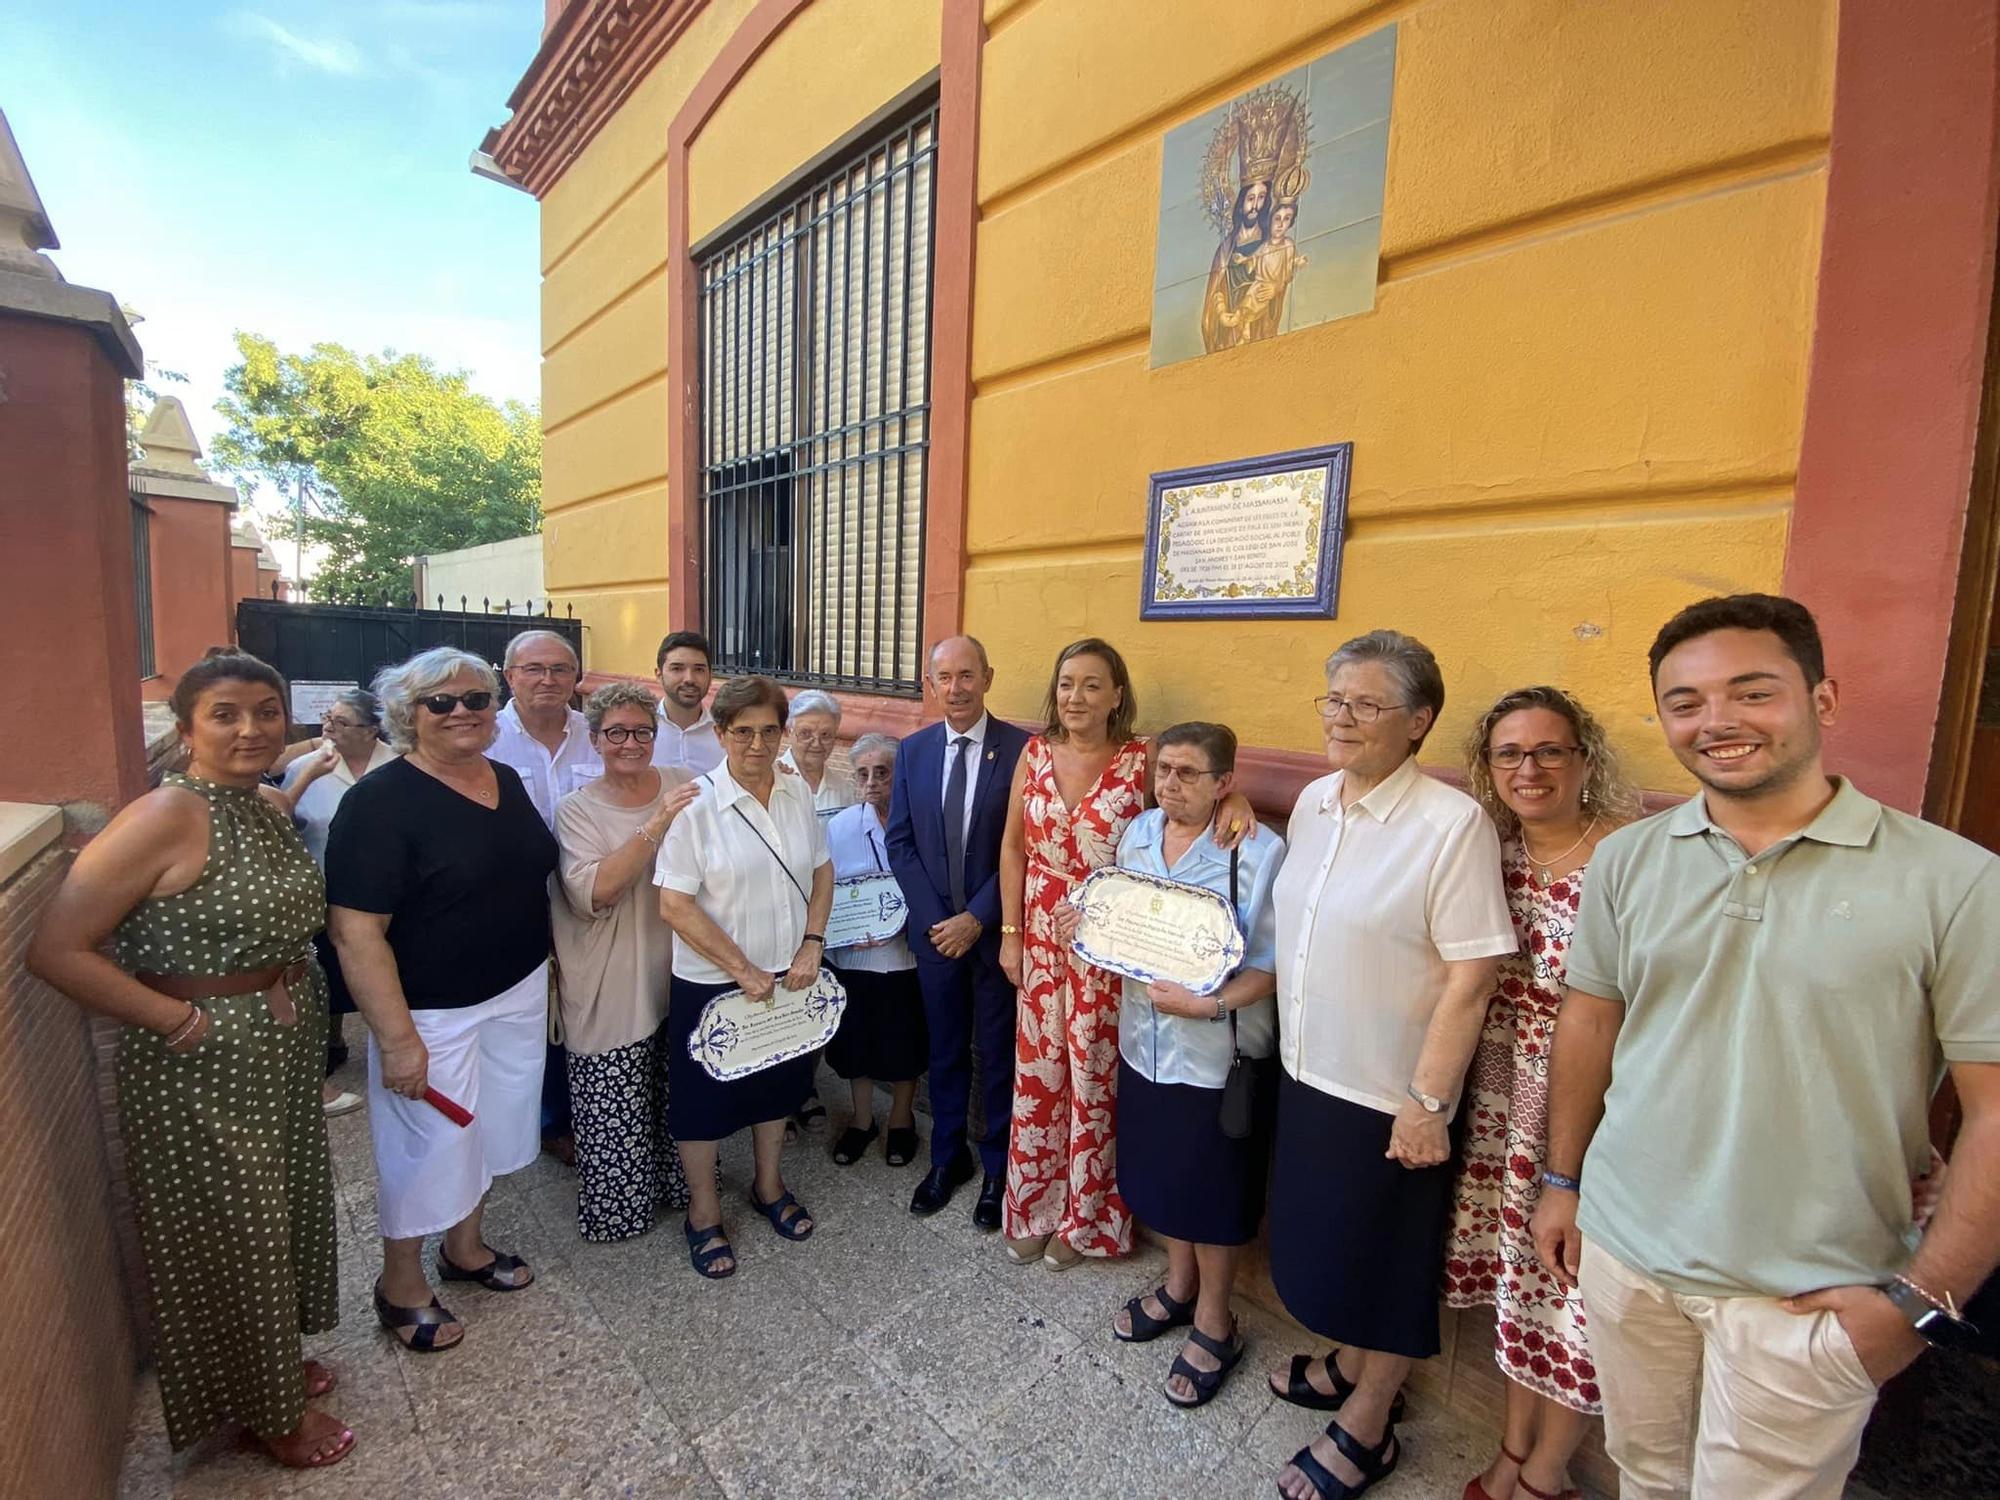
x=594 y=55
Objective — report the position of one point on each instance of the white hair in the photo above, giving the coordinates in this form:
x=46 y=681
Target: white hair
x=873 y=743
x=813 y=701
x=534 y=637
x=399 y=687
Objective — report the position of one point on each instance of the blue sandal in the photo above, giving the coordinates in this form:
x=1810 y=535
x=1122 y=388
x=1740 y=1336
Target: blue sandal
x=1146 y=1327
x=775 y=1212
x=706 y=1247
x=1376 y=1464
x=1229 y=1354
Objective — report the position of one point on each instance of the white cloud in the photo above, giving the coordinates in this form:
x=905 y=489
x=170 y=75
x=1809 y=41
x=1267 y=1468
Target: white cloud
x=323 y=54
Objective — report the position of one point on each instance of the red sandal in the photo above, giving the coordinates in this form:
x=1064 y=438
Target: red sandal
x=1474 y=1490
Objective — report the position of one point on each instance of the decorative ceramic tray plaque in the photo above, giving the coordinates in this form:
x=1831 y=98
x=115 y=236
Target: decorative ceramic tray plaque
x=1147 y=927
x=866 y=909
x=736 y=1036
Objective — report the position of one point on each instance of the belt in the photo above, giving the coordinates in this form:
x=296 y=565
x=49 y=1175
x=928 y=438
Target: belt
x=214 y=986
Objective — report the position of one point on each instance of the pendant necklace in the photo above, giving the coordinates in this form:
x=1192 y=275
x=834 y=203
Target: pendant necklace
x=1545 y=869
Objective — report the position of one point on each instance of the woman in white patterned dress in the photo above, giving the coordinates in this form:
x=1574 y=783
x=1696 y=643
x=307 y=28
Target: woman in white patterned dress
x=1541 y=766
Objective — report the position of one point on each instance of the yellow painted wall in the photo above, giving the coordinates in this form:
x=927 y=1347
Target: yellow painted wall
x=1575 y=407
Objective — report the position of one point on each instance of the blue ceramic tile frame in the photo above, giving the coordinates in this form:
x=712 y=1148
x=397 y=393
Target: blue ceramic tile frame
x=893 y=912
x=1324 y=604
x=1227 y=954
x=713 y=1034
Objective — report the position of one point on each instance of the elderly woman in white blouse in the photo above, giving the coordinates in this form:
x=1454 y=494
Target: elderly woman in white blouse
x=613 y=948
x=883 y=1037
x=1391 y=919
x=813 y=729
x=746 y=883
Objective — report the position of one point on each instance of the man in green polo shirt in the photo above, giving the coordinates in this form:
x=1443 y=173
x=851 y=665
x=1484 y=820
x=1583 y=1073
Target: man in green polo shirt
x=1764 y=987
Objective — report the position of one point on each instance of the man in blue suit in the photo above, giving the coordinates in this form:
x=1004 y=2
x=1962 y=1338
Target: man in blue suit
x=946 y=815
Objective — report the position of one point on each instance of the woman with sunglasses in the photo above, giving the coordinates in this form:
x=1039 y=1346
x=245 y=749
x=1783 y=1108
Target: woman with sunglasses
x=613 y=948
x=1544 y=771
x=746 y=883
x=437 y=870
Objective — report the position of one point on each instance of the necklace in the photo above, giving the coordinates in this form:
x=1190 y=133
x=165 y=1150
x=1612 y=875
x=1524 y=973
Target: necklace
x=1545 y=870
x=478 y=793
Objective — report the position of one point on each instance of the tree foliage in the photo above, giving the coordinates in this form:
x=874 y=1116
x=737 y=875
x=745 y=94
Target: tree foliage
x=395 y=457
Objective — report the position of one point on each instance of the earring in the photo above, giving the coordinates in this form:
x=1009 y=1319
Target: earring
x=1584 y=800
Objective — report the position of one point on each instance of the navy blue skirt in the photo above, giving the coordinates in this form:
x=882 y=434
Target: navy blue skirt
x=703 y=1108
x=883 y=1035
x=1179 y=1174
x=1357 y=1240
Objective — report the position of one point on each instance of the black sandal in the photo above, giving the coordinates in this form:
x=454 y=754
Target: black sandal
x=425 y=1320
x=853 y=1144
x=775 y=1212
x=902 y=1147
x=1302 y=1392
x=492 y=1275
x=706 y=1247
x=1146 y=1327
x=810 y=1116
x=1206 y=1382
x=1368 y=1460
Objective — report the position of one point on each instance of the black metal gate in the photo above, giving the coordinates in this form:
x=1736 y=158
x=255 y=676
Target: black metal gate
x=352 y=642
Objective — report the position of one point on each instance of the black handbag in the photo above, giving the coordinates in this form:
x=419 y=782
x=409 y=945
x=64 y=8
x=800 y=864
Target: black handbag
x=1246 y=1093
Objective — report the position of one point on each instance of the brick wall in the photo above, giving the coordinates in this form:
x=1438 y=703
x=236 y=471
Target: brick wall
x=66 y=1350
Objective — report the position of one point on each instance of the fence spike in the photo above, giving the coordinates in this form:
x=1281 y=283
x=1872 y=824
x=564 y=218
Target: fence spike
x=507 y=605
x=464 y=605
x=440 y=601
x=571 y=609
x=486 y=604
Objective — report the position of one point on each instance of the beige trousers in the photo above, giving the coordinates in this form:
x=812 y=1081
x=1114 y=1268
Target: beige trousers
x=1721 y=1398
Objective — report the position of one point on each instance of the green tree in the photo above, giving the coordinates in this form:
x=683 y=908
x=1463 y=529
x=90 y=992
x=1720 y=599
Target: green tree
x=393 y=457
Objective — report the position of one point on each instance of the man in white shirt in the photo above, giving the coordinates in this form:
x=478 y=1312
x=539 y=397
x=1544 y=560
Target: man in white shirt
x=538 y=733
x=548 y=742
x=687 y=737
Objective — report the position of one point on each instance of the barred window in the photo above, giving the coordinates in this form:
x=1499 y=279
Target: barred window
x=142 y=583
x=815 y=423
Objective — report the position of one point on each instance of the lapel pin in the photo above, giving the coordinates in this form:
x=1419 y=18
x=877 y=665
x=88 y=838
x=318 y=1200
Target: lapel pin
x=989 y=755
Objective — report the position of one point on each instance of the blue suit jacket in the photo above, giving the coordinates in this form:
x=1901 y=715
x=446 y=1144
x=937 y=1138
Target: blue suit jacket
x=916 y=832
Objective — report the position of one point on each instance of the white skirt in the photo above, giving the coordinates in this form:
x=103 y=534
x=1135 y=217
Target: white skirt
x=430 y=1173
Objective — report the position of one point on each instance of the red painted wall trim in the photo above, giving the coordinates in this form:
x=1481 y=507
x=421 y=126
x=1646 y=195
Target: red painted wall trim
x=956 y=206
x=1898 y=361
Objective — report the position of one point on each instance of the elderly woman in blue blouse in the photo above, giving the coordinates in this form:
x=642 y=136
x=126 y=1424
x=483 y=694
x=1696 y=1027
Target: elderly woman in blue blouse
x=1197 y=1188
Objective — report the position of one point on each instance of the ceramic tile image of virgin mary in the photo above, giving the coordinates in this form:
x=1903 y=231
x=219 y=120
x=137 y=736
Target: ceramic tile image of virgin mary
x=1271 y=205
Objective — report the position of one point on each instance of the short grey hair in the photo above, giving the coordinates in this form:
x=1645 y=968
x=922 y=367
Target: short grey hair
x=399 y=687
x=531 y=637
x=873 y=743
x=813 y=701
x=1406 y=659
x=363 y=703
x=616 y=695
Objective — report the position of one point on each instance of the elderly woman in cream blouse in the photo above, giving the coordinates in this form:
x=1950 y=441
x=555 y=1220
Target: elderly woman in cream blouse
x=614 y=951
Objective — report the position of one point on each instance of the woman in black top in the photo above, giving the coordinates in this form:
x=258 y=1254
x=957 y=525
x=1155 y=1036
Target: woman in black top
x=437 y=869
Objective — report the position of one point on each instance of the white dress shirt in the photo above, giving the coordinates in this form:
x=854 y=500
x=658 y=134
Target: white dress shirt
x=835 y=791
x=695 y=749
x=713 y=853
x=548 y=775
x=1373 y=901
x=319 y=802
x=977 y=734
x=860 y=846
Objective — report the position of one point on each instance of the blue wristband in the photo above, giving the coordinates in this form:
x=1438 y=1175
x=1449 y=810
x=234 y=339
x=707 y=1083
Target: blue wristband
x=1557 y=1180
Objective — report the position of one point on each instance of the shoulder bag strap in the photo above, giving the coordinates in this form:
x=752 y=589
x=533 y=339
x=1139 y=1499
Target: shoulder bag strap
x=738 y=810
x=1234 y=860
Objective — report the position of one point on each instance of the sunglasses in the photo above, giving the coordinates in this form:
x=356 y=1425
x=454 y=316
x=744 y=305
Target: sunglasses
x=441 y=704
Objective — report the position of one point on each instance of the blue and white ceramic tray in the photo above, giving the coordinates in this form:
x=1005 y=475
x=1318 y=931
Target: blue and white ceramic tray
x=1147 y=927
x=866 y=909
x=736 y=1036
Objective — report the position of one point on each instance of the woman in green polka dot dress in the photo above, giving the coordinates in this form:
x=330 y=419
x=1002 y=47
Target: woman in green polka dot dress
x=209 y=899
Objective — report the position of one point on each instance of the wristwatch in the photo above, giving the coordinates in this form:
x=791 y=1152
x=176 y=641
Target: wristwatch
x=1939 y=1325
x=1431 y=1103
x=1221 y=1010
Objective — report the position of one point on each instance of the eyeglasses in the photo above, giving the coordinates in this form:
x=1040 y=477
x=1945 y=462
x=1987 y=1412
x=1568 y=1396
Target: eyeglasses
x=477 y=701
x=867 y=775
x=559 y=671
x=814 y=737
x=618 y=734
x=743 y=734
x=1548 y=757
x=1364 y=710
x=1164 y=772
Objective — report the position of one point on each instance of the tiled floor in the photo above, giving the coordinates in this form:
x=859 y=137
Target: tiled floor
x=885 y=1357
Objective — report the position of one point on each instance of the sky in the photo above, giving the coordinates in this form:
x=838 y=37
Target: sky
x=287 y=168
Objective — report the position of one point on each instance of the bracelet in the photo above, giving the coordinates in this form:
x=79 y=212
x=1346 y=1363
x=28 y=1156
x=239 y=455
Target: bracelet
x=814 y=937
x=641 y=830
x=1557 y=1180
x=1944 y=1305
x=187 y=1027
x=1007 y=929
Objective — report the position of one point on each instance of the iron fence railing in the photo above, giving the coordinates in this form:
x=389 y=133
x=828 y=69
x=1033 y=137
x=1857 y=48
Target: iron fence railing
x=142 y=583
x=815 y=423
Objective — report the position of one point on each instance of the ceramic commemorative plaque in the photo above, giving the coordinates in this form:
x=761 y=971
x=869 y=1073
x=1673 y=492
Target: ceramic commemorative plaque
x=736 y=1036
x=1147 y=927
x=866 y=909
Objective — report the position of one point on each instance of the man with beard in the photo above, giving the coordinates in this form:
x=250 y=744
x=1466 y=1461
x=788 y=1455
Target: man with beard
x=687 y=737
x=1234 y=269
x=1764 y=986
